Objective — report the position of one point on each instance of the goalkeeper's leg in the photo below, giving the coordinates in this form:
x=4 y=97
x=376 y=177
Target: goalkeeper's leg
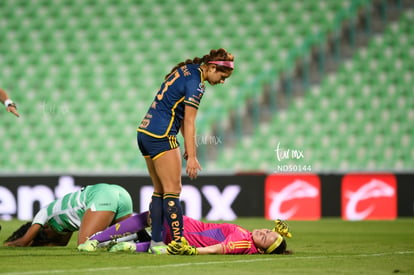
x=128 y=238
x=128 y=226
x=130 y=247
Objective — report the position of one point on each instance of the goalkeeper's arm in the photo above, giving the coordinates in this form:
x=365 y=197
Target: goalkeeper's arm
x=212 y=249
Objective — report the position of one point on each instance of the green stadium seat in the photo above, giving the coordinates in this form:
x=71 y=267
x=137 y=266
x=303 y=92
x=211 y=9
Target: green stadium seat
x=91 y=70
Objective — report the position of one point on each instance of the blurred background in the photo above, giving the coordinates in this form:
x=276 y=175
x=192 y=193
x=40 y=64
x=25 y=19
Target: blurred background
x=323 y=85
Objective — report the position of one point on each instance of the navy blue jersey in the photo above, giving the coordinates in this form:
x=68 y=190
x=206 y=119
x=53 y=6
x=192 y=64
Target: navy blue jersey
x=184 y=86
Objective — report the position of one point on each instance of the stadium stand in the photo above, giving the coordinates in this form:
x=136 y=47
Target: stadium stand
x=358 y=119
x=84 y=72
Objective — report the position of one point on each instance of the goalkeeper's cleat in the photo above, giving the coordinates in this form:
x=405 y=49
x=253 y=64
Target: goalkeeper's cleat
x=123 y=246
x=88 y=246
x=282 y=228
x=158 y=248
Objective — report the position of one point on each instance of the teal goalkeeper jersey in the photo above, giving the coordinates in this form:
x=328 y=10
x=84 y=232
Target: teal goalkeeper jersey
x=65 y=214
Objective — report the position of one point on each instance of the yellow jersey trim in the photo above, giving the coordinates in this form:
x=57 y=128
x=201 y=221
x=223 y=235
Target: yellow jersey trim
x=191 y=104
x=201 y=74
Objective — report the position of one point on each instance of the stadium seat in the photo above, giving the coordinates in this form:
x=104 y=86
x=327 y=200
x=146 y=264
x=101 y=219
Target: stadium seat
x=87 y=73
x=357 y=119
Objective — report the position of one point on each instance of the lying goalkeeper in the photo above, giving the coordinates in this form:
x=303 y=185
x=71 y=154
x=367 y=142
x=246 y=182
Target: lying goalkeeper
x=199 y=238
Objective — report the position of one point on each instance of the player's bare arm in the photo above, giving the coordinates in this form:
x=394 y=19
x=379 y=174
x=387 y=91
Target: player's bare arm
x=212 y=249
x=193 y=166
x=27 y=238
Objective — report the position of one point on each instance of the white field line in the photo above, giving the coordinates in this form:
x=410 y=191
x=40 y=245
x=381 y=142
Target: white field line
x=264 y=259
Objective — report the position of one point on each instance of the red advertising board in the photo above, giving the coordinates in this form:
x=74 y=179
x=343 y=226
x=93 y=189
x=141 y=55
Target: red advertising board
x=293 y=197
x=369 y=197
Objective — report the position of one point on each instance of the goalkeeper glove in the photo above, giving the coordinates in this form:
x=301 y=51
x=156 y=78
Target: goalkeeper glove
x=181 y=248
x=175 y=248
x=282 y=228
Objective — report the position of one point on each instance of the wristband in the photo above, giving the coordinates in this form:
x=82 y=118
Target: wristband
x=8 y=102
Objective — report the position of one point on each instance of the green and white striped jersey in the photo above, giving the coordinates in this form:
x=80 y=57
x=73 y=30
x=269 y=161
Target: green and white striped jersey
x=65 y=214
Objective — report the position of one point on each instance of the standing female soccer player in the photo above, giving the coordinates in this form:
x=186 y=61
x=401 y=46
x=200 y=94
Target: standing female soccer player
x=89 y=210
x=175 y=108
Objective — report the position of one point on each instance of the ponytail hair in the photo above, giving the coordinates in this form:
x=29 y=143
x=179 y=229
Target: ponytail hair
x=214 y=55
x=281 y=249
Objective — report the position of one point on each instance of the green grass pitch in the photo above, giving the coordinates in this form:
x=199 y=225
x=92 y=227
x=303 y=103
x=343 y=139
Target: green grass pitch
x=327 y=246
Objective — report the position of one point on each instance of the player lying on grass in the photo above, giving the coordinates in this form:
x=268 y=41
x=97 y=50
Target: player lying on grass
x=199 y=238
x=89 y=210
